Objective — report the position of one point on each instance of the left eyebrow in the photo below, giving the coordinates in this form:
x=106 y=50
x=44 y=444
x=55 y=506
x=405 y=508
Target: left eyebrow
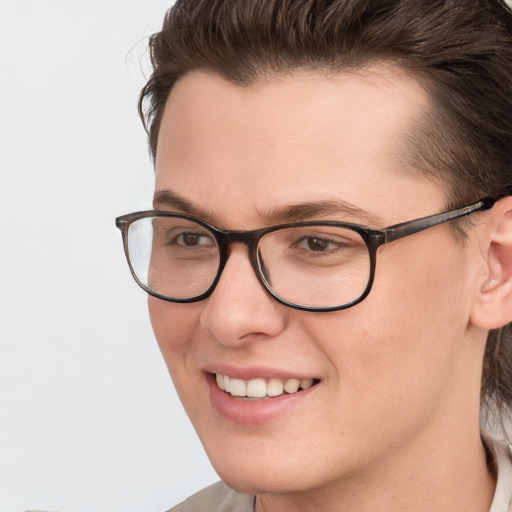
x=322 y=209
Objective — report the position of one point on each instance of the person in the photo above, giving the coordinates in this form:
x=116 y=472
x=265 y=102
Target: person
x=329 y=258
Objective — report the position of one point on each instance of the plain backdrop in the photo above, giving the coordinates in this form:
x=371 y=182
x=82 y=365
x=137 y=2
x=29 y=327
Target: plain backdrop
x=89 y=421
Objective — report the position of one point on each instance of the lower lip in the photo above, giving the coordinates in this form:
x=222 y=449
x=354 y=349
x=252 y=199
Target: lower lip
x=254 y=412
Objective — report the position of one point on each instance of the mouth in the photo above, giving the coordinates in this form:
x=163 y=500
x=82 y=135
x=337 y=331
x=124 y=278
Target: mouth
x=260 y=388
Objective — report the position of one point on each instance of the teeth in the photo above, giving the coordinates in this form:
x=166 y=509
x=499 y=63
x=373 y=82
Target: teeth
x=256 y=388
x=237 y=387
x=292 y=385
x=260 y=388
x=306 y=383
x=275 y=387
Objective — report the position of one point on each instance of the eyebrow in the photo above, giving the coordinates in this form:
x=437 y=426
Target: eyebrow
x=322 y=209
x=334 y=208
x=172 y=201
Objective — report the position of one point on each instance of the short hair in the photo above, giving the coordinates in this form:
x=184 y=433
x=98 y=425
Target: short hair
x=460 y=51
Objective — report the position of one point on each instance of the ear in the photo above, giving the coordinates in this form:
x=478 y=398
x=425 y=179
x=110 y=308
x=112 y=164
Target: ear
x=493 y=305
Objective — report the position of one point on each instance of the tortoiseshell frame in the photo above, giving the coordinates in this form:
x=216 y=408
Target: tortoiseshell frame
x=373 y=239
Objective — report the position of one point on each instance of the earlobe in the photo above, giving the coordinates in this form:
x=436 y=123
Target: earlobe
x=493 y=305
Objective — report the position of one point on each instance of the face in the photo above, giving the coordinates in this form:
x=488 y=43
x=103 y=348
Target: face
x=390 y=375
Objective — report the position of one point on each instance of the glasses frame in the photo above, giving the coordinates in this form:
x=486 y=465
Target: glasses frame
x=373 y=238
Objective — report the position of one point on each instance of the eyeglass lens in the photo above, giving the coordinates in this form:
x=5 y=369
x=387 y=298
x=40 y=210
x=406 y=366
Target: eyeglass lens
x=311 y=266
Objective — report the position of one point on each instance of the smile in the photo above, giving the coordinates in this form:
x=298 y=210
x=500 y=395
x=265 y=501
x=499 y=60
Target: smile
x=261 y=388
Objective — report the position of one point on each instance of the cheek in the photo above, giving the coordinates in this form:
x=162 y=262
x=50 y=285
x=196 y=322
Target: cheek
x=424 y=281
x=174 y=326
x=397 y=349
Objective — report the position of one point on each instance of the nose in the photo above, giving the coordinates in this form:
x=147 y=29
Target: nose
x=240 y=310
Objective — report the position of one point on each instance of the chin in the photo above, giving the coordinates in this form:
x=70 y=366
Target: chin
x=260 y=472
x=261 y=483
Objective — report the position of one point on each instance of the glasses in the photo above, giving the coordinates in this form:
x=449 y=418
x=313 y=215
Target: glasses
x=311 y=266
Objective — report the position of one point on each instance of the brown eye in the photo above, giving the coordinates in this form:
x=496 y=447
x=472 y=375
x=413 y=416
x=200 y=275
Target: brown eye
x=191 y=239
x=317 y=244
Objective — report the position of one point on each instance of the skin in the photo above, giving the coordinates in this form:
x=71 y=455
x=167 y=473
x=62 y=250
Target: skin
x=393 y=424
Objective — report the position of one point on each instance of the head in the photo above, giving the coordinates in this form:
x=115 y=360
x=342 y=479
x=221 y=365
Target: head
x=433 y=80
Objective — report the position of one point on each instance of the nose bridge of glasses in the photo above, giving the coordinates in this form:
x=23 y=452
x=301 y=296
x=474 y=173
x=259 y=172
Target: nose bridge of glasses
x=248 y=238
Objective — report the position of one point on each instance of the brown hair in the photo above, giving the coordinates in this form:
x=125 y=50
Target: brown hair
x=459 y=50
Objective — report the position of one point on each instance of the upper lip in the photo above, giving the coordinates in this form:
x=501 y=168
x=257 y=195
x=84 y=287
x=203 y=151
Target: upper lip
x=254 y=372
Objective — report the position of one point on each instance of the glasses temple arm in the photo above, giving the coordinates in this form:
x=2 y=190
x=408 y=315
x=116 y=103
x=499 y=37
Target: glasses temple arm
x=408 y=228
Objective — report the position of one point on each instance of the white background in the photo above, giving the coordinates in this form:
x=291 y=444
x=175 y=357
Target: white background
x=89 y=421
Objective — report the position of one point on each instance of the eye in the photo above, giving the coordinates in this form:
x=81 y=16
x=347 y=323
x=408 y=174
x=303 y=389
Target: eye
x=317 y=244
x=191 y=239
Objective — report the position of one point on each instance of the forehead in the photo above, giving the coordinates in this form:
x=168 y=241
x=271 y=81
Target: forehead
x=289 y=139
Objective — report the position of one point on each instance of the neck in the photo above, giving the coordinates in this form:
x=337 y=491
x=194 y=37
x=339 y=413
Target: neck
x=448 y=475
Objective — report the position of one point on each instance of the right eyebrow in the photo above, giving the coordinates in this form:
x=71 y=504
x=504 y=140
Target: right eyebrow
x=167 y=199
